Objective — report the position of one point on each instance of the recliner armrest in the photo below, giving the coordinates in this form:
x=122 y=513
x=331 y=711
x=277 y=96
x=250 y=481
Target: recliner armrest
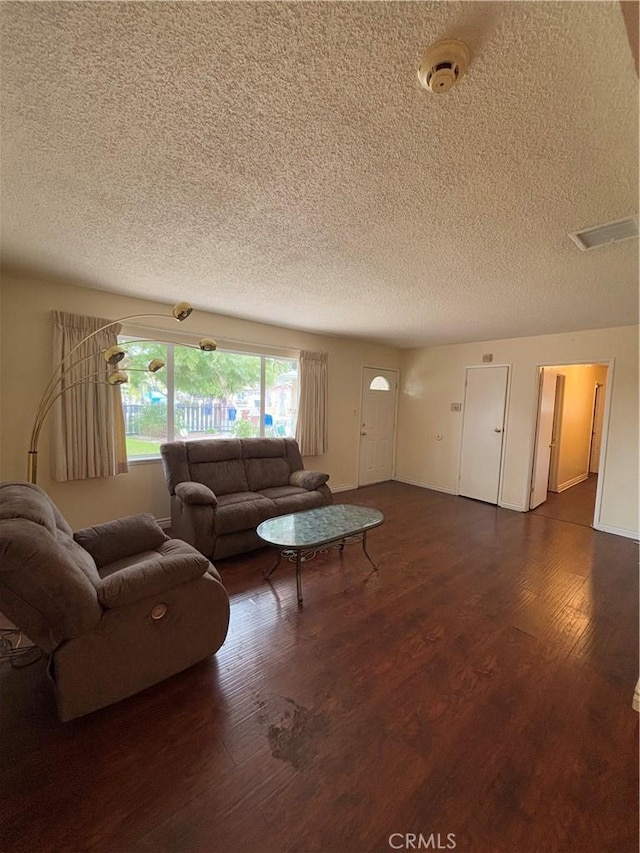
x=121 y=538
x=150 y=577
x=196 y=494
x=309 y=480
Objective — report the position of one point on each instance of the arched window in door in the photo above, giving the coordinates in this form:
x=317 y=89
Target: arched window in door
x=379 y=383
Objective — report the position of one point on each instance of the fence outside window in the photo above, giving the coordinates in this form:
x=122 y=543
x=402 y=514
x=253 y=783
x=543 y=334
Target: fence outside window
x=206 y=395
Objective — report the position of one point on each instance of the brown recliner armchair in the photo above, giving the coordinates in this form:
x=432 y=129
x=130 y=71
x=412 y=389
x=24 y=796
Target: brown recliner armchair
x=117 y=607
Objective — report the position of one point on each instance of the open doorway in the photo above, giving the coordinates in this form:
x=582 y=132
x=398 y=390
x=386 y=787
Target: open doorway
x=569 y=429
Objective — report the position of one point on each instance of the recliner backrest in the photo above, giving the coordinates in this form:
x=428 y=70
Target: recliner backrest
x=217 y=463
x=229 y=465
x=266 y=463
x=47 y=581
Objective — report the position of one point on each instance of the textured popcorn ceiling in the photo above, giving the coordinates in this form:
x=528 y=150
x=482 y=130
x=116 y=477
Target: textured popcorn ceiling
x=280 y=162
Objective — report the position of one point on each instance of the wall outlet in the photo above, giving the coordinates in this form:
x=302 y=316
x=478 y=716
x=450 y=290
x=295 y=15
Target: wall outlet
x=487 y=358
x=456 y=407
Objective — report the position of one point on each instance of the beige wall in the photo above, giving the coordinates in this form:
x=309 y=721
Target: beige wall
x=433 y=378
x=27 y=302
x=577 y=415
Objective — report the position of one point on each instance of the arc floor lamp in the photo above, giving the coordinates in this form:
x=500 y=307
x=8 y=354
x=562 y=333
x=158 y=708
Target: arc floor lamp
x=118 y=376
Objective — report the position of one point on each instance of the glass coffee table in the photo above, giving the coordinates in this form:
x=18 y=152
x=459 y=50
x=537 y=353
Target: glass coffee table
x=300 y=535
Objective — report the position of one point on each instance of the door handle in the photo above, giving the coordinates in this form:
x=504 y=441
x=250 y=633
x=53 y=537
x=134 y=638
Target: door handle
x=363 y=433
x=497 y=429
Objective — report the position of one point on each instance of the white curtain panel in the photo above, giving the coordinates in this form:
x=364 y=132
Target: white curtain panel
x=88 y=434
x=312 y=429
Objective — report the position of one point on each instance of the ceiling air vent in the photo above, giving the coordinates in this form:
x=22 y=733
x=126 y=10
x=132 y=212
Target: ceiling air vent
x=602 y=235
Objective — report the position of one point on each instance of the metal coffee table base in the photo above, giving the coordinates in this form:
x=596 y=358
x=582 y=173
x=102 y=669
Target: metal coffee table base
x=299 y=536
x=303 y=555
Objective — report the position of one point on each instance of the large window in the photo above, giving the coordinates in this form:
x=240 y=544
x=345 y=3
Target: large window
x=205 y=395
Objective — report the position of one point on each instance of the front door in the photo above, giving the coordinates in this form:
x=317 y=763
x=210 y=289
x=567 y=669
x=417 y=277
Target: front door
x=377 y=425
x=485 y=401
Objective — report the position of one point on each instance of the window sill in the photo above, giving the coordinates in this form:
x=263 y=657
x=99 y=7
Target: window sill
x=143 y=460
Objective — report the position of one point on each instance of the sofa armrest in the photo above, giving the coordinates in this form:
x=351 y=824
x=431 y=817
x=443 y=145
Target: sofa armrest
x=150 y=577
x=196 y=494
x=121 y=538
x=309 y=480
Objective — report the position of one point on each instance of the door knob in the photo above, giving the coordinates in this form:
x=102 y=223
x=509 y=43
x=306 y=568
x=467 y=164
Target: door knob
x=497 y=429
x=363 y=433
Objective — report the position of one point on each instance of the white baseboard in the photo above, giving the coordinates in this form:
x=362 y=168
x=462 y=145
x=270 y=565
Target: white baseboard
x=164 y=522
x=617 y=531
x=562 y=487
x=424 y=485
x=514 y=507
x=345 y=487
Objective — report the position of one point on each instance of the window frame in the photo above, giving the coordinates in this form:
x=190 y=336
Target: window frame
x=142 y=336
x=385 y=386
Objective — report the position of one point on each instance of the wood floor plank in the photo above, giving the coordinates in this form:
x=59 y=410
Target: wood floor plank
x=479 y=684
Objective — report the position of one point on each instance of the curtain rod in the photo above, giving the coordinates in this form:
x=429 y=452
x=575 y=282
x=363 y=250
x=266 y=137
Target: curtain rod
x=168 y=330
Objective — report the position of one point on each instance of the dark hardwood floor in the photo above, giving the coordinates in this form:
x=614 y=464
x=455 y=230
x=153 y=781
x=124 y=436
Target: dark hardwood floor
x=575 y=505
x=480 y=684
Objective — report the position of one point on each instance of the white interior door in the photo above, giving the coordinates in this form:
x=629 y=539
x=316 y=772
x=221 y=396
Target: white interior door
x=556 y=434
x=485 y=401
x=596 y=430
x=544 y=433
x=377 y=425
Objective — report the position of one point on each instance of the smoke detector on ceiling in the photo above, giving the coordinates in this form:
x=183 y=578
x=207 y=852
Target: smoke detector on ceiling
x=443 y=65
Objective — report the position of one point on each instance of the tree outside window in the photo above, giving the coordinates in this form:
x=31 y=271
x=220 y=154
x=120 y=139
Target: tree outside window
x=206 y=395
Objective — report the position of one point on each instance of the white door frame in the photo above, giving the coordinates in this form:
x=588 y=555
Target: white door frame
x=505 y=429
x=610 y=365
x=395 y=370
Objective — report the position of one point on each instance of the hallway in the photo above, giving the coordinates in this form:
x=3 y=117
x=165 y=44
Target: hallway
x=575 y=505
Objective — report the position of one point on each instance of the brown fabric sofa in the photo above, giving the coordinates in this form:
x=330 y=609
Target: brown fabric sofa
x=221 y=489
x=116 y=607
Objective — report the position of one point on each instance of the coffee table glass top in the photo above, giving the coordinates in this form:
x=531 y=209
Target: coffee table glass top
x=318 y=526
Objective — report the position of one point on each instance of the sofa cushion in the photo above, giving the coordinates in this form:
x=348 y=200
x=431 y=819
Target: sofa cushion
x=302 y=499
x=266 y=463
x=243 y=511
x=175 y=463
x=265 y=473
x=276 y=492
x=214 y=462
x=196 y=494
x=292 y=452
x=213 y=450
x=223 y=478
x=41 y=519
x=50 y=579
x=263 y=448
x=25 y=500
x=113 y=540
x=150 y=578
x=309 y=480
x=177 y=546
x=169 y=548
